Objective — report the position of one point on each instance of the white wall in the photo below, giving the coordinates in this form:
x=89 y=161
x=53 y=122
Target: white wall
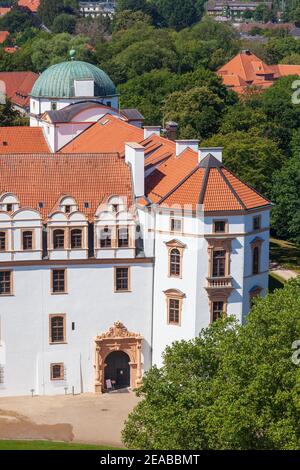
x=91 y=304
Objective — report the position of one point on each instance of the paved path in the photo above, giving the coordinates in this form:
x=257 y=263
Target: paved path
x=84 y=418
x=286 y=274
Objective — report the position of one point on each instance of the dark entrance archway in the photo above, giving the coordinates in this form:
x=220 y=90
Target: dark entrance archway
x=118 y=369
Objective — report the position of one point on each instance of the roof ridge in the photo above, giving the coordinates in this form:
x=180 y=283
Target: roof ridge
x=231 y=188
x=204 y=185
x=179 y=184
x=248 y=185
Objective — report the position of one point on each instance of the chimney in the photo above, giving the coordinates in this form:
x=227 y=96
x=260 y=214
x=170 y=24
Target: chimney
x=171 y=130
x=214 y=151
x=150 y=130
x=134 y=156
x=182 y=145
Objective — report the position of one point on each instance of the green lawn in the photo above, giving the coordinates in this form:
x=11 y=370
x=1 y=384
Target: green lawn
x=285 y=253
x=48 y=445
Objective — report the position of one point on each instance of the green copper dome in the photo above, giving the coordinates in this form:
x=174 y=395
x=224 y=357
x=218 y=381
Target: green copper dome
x=58 y=80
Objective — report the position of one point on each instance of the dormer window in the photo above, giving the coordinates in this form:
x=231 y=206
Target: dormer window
x=67 y=209
x=123 y=237
x=76 y=238
x=53 y=105
x=9 y=202
x=9 y=207
x=115 y=207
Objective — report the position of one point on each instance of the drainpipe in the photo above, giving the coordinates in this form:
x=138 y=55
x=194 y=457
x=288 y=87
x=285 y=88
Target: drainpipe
x=153 y=284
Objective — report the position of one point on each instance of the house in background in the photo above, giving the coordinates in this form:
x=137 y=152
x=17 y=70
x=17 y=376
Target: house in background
x=18 y=86
x=32 y=5
x=247 y=70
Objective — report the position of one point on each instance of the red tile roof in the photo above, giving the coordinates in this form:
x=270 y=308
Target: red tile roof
x=11 y=49
x=45 y=178
x=109 y=134
x=216 y=188
x=33 y=5
x=22 y=140
x=172 y=179
x=246 y=69
x=3 y=36
x=18 y=86
x=4 y=10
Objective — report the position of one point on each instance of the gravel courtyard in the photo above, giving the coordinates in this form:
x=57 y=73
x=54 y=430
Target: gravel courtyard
x=83 y=418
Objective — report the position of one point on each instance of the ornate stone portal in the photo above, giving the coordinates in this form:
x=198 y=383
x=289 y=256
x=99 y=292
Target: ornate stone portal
x=118 y=338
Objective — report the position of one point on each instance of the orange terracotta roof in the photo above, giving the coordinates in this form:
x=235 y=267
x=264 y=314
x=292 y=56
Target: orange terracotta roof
x=170 y=179
x=11 y=50
x=109 y=134
x=4 y=10
x=18 y=86
x=246 y=69
x=22 y=140
x=88 y=178
x=214 y=187
x=3 y=36
x=33 y=5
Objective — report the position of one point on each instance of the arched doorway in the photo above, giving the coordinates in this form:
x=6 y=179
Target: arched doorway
x=117 y=369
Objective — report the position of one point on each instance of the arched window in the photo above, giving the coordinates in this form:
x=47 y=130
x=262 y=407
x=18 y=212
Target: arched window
x=76 y=238
x=58 y=239
x=2 y=241
x=105 y=237
x=175 y=262
x=57 y=329
x=27 y=241
x=255 y=260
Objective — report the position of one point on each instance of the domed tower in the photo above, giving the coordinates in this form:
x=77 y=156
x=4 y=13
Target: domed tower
x=70 y=82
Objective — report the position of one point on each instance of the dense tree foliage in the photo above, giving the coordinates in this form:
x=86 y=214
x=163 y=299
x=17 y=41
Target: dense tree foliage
x=64 y=23
x=17 y=20
x=50 y=9
x=233 y=387
x=10 y=117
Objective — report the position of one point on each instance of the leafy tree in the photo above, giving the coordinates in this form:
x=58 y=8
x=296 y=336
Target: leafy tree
x=133 y=5
x=262 y=13
x=50 y=9
x=46 y=52
x=179 y=14
x=64 y=23
x=127 y=18
x=10 y=117
x=242 y=117
x=17 y=20
x=233 y=387
x=285 y=195
x=296 y=16
x=278 y=48
x=250 y=156
x=198 y=111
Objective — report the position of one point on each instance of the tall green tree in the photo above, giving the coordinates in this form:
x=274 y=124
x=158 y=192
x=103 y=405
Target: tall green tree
x=10 y=116
x=179 y=14
x=233 y=387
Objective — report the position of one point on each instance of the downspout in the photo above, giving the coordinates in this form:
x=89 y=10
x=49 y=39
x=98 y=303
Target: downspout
x=153 y=284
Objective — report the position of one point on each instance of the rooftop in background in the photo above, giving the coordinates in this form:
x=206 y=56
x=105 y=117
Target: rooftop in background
x=32 y=5
x=246 y=69
x=18 y=86
x=46 y=178
x=4 y=11
x=3 y=36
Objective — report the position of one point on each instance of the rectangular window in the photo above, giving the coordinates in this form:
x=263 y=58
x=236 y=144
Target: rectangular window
x=256 y=222
x=57 y=371
x=76 y=238
x=57 y=329
x=123 y=237
x=255 y=260
x=58 y=239
x=174 y=311
x=2 y=241
x=58 y=281
x=27 y=240
x=176 y=225
x=219 y=260
x=105 y=237
x=5 y=282
x=217 y=310
x=122 y=279
x=219 y=226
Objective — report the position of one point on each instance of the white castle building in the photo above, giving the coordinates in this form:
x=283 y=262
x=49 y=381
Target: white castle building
x=114 y=241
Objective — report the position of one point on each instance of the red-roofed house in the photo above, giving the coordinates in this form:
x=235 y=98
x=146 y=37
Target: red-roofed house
x=4 y=11
x=32 y=5
x=3 y=36
x=18 y=86
x=247 y=70
x=116 y=246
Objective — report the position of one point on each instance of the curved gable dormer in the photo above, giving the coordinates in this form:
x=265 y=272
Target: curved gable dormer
x=9 y=202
